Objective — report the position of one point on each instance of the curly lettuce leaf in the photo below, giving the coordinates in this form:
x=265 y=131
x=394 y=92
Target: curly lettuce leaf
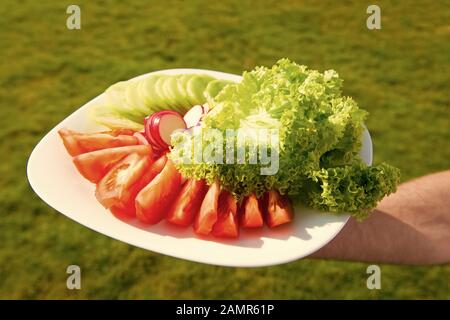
x=354 y=189
x=319 y=130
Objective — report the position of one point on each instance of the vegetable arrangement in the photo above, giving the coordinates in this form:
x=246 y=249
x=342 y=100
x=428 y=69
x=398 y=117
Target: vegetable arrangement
x=139 y=169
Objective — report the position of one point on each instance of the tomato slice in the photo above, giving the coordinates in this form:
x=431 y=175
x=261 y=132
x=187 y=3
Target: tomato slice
x=227 y=225
x=70 y=142
x=188 y=202
x=207 y=216
x=96 y=164
x=126 y=207
x=152 y=202
x=252 y=212
x=78 y=143
x=114 y=189
x=117 y=132
x=279 y=209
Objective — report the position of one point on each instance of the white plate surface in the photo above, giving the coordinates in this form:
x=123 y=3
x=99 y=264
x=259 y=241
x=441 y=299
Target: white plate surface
x=54 y=178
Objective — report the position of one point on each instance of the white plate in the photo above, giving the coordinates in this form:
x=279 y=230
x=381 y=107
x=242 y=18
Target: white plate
x=54 y=178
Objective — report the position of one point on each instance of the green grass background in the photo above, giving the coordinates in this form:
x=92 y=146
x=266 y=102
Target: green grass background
x=399 y=73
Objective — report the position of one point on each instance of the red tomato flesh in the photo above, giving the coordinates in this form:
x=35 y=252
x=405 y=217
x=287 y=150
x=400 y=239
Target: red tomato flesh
x=152 y=201
x=78 y=143
x=227 y=225
x=188 y=202
x=207 y=216
x=252 y=212
x=126 y=207
x=278 y=209
x=96 y=164
x=114 y=189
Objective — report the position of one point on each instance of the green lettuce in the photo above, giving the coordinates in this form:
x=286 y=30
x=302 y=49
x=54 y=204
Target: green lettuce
x=319 y=138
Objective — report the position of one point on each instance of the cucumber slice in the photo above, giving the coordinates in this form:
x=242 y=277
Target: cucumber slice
x=161 y=102
x=133 y=99
x=115 y=94
x=170 y=90
x=182 y=88
x=148 y=93
x=129 y=113
x=105 y=115
x=182 y=97
x=213 y=88
x=116 y=100
x=195 y=87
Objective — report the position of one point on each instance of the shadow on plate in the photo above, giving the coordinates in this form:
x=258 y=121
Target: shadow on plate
x=250 y=238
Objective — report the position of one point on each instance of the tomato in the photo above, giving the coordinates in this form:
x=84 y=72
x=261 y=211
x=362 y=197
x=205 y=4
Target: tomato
x=252 y=212
x=70 y=142
x=188 y=202
x=117 y=132
x=278 y=209
x=115 y=188
x=207 y=215
x=126 y=207
x=94 y=165
x=78 y=143
x=227 y=222
x=152 y=201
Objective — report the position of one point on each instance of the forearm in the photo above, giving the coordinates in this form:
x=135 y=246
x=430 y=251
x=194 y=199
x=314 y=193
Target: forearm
x=411 y=226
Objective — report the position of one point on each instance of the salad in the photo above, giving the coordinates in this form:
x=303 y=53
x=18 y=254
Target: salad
x=219 y=155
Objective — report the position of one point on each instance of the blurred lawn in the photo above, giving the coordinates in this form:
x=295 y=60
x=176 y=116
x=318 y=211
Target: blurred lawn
x=401 y=74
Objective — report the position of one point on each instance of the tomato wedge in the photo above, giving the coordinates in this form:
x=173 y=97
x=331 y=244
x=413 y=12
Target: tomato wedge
x=279 y=209
x=188 y=202
x=152 y=201
x=227 y=222
x=126 y=204
x=78 y=143
x=96 y=164
x=207 y=216
x=114 y=189
x=252 y=212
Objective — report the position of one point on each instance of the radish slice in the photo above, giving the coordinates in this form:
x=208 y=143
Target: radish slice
x=161 y=125
x=193 y=116
x=148 y=129
x=141 y=138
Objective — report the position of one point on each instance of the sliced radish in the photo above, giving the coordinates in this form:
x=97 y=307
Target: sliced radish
x=193 y=116
x=159 y=126
x=148 y=135
x=141 y=138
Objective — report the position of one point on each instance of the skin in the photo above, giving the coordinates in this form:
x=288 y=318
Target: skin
x=411 y=226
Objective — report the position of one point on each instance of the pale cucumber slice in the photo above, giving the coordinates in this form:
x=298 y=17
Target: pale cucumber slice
x=170 y=90
x=105 y=115
x=195 y=87
x=147 y=91
x=182 y=97
x=182 y=89
x=116 y=99
x=161 y=99
x=213 y=88
x=133 y=99
x=115 y=94
x=129 y=113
